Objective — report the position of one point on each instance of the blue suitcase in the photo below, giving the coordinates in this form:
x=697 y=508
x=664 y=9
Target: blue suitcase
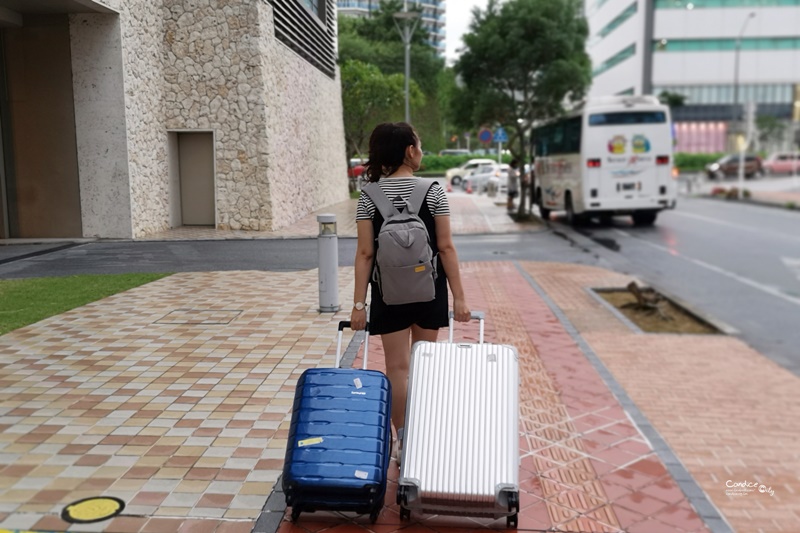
x=337 y=455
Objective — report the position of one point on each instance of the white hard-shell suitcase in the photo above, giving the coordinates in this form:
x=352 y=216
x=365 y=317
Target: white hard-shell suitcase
x=461 y=441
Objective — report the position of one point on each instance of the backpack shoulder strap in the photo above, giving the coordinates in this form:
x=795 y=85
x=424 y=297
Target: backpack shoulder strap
x=418 y=195
x=378 y=197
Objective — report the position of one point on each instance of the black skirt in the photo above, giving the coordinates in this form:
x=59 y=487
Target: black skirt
x=427 y=315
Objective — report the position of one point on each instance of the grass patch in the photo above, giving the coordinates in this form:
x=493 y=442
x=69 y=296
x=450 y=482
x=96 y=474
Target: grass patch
x=26 y=301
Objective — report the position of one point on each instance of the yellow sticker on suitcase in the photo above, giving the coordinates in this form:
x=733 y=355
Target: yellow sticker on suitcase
x=309 y=442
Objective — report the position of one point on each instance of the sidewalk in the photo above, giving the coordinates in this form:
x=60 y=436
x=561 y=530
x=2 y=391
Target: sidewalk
x=175 y=397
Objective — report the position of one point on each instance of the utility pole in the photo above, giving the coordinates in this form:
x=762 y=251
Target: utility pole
x=406 y=22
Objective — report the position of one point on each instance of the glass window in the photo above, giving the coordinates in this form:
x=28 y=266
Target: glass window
x=702 y=4
x=627 y=117
x=312 y=5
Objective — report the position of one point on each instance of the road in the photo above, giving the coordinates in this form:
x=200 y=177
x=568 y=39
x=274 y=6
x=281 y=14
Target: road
x=738 y=263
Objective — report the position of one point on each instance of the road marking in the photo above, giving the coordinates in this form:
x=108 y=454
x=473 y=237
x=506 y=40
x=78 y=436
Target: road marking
x=793 y=265
x=732 y=225
x=741 y=279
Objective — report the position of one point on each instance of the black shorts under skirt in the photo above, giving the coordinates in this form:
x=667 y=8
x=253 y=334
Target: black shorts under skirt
x=427 y=315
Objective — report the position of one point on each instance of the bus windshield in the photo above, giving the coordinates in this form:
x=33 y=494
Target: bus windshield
x=627 y=117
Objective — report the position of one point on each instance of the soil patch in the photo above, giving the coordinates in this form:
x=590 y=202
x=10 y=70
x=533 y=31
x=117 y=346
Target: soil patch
x=682 y=321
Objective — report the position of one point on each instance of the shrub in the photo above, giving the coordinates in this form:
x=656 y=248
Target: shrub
x=791 y=205
x=733 y=194
x=694 y=162
x=746 y=194
x=446 y=162
x=719 y=191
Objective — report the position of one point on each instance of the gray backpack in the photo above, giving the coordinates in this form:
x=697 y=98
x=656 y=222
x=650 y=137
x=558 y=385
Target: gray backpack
x=405 y=267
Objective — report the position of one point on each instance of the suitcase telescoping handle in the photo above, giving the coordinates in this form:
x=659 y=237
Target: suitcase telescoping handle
x=476 y=315
x=346 y=324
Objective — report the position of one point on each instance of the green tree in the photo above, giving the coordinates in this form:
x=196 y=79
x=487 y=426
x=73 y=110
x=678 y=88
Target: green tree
x=523 y=60
x=369 y=97
x=375 y=40
x=770 y=129
x=673 y=100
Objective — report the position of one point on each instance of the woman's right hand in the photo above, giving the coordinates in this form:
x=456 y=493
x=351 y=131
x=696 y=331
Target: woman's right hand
x=358 y=319
x=461 y=312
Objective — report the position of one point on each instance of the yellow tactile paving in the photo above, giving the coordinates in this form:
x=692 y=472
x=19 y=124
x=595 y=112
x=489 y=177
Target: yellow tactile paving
x=174 y=396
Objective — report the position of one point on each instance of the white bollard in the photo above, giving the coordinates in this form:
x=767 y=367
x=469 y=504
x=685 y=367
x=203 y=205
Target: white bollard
x=328 y=256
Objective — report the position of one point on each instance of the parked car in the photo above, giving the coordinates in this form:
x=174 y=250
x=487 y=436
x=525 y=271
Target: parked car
x=478 y=179
x=355 y=167
x=453 y=151
x=455 y=176
x=500 y=180
x=782 y=163
x=729 y=166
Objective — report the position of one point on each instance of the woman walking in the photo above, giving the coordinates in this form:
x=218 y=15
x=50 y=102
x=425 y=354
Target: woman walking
x=395 y=153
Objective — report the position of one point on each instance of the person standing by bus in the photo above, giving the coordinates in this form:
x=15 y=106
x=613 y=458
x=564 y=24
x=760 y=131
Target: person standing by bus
x=513 y=183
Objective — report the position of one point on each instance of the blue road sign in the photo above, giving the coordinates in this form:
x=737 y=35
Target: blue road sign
x=500 y=135
x=485 y=136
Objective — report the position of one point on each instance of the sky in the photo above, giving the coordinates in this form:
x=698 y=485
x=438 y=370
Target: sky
x=459 y=15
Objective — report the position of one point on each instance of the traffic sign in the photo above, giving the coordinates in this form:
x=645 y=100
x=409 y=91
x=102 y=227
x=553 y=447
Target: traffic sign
x=485 y=136
x=500 y=135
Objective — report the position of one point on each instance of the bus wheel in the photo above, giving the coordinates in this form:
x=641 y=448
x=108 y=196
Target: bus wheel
x=644 y=218
x=543 y=211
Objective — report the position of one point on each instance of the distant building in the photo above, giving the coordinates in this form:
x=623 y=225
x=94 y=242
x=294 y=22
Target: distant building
x=122 y=118
x=433 y=17
x=688 y=47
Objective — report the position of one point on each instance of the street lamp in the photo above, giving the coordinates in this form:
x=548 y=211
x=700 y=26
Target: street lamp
x=406 y=22
x=736 y=115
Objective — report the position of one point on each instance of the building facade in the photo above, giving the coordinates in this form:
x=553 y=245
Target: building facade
x=433 y=17
x=121 y=118
x=689 y=47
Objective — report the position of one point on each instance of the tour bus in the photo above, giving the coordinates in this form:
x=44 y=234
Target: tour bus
x=611 y=156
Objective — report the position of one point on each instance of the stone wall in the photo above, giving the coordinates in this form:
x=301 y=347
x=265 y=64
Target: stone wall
x=216 y=65
x=213 y=80
x=305 y=131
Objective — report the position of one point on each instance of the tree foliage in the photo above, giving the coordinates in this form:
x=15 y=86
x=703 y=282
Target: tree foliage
x=375 y=40
x=673 y=100
x=523 y=60
x=368 y=97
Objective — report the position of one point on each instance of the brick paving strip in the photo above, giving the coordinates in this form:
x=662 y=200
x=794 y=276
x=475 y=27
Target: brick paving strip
x=727 y=412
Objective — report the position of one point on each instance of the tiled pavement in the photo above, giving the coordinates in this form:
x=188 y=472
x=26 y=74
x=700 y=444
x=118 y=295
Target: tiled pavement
x=175 y=397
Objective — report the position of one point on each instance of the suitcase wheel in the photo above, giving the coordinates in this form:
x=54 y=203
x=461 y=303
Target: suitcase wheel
x=405 y=514
x=373 y=516
x=295 y=514
x=402 y=496
x=511 y=521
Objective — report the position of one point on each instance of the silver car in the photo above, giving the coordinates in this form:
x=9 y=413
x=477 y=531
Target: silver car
x=478 y=179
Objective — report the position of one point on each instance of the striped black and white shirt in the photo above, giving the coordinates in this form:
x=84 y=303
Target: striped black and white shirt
x=402 y=188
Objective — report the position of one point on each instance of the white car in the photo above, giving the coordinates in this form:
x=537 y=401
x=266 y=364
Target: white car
x=456 y=175
x=501 y=180
x=478 y=179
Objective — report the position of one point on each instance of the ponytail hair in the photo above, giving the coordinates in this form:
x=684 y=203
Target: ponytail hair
x=387 y=148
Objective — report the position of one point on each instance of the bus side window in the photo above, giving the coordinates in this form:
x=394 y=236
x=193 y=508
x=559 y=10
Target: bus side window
x=572 y=141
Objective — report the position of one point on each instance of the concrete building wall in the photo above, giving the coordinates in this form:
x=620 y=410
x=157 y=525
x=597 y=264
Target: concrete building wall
x=305 y=150
x=101 y=125
x=627 y=74
x=717 y=67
